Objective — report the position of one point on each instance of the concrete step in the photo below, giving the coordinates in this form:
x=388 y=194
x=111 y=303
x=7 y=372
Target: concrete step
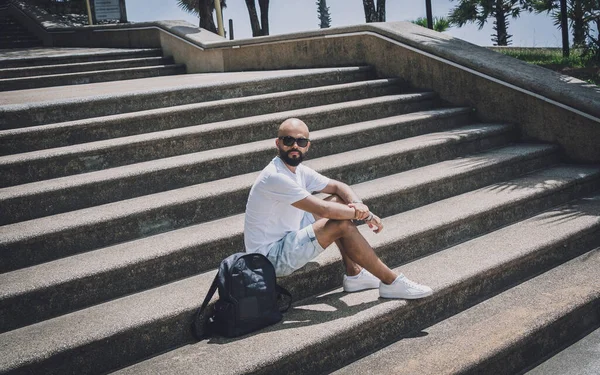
x=15 y=34
x=31 y=242
x=19 y=43
x=8 y=84
x=40 y=165
x=84 y=67
x=502 y=335
x=18 y=39
x=191 y=114
x=197 y=88
x=11 y=27
x=316 y=333
x=80 y=56
x=191 y=250
x=581 y=358
x=33 y=200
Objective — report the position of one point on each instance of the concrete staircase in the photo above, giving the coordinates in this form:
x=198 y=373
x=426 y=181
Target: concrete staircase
x=13 y=34
x=27 y=72
x=119 y=202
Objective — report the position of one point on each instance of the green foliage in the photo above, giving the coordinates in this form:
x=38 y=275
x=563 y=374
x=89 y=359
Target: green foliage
x=192 y=6
x=374 y=12
x=478 y=11
x=548 y=56
x=204 y=10
x=584 y=21
x=579 y=64
x=323 y=14
x=440 y=24
x=189 y=6
x=579 y=14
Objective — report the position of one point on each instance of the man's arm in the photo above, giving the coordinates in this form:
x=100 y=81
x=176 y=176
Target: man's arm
x=348 y=195
x=330 y=210
x=354 y=210
x=341 y=190
x=345 y=192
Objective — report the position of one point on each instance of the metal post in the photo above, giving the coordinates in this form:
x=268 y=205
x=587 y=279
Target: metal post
x=565 y=27
x=220 y=28
x=230 y=29
x=429 y=14
x=89 y=11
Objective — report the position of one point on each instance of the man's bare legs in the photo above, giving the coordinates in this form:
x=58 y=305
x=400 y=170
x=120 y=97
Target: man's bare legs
x=356 y=251
x=352 y=268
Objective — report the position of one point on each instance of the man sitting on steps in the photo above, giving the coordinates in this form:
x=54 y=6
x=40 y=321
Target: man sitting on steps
x=290 y=226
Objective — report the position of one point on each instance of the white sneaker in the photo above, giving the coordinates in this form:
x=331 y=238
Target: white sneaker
x=364 y=280
x=404 y=288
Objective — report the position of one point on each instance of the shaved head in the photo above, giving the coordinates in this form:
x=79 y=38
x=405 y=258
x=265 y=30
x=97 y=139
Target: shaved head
x=293 y=127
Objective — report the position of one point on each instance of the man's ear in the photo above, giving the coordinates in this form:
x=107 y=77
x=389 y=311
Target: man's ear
x=277 y=142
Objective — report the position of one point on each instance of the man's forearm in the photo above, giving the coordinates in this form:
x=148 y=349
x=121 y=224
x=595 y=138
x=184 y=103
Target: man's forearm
x=338 y=211
x=346 y=193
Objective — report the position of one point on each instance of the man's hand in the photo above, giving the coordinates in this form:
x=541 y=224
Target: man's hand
x=361 y=211
x=375 y=224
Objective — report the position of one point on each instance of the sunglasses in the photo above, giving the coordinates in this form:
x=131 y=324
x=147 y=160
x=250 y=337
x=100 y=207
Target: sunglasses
x=289 y=141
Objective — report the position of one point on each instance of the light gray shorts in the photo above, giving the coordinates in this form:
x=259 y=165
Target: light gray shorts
x=295 y=249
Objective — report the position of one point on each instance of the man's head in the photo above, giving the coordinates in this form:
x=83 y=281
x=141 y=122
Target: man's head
x=292 y=141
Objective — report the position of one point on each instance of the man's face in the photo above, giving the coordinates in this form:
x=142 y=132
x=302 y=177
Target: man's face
x=290 y=151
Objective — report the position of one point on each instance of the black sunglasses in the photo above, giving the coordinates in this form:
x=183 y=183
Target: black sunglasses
x=289 y=141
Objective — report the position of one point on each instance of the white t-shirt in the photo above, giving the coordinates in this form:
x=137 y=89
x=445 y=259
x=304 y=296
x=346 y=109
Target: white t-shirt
x=269 y=211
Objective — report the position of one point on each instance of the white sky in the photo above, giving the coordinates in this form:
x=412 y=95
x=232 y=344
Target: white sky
x=287 y=16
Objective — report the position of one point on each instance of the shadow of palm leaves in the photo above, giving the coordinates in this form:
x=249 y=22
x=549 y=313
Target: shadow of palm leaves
x=574 y=211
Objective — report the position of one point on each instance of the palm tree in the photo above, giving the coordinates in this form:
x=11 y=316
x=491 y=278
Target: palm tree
x=323 y=14
x=372 y=13
x=440 y=24
x=578 y=13
x=262 y=27
x=204 y=10
x=478 y=11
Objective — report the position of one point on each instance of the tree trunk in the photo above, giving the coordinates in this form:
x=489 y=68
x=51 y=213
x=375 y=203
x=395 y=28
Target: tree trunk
x=264 y=16
x=323 y=14
x=206 y=19
x=254 y=24
x=429 y=14
x=578 y=24
x=381 y=10
x=564 y=26
x=500 y=27
x=370 y=13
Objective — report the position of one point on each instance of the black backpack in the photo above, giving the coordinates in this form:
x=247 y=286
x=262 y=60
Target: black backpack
x=248 y=297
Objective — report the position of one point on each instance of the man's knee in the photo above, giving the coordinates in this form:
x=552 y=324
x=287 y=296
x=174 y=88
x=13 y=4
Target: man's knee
x=343 y=226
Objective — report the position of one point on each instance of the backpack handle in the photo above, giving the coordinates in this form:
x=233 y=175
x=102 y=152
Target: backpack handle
x=280 y=291
x=197 y=324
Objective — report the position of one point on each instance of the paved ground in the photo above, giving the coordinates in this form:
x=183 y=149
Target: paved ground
x=581 y=358
x=15 y=53
x=114 y=88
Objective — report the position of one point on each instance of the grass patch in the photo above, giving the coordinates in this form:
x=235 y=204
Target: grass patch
x=576 y=65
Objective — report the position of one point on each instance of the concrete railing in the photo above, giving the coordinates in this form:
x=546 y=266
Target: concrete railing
x=545 y=105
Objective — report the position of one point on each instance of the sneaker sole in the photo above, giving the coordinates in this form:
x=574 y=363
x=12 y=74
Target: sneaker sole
x=351 y=290
x=417 y=296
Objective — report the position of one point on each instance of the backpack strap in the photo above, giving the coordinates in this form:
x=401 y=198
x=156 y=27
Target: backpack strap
x=282 y=291
x=200 y=329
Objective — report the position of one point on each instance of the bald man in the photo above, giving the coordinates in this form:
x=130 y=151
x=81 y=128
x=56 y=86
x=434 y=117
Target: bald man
x=290 y=226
